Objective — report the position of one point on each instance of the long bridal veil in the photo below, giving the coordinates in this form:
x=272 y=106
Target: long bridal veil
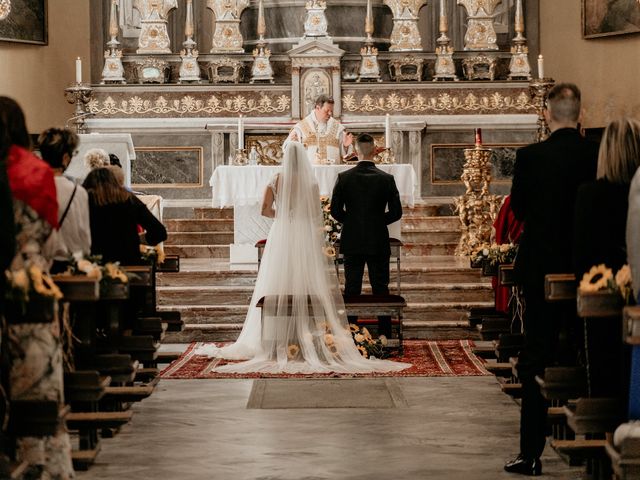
x=302 y=327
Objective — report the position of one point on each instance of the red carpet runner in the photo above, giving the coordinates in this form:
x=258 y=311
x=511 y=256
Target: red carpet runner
x=444 y=358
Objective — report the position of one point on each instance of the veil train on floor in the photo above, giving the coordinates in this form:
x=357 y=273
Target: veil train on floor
x=303 y=326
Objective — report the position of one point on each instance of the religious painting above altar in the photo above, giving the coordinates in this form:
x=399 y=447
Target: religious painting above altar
x=23 y=21
x=610 y=17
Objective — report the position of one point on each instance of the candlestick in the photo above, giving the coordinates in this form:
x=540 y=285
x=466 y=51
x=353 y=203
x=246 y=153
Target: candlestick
x=478 y=137
x=540 y=66
x=442 y=14
x=387 y=131
x=240 y=132
x=78 y=70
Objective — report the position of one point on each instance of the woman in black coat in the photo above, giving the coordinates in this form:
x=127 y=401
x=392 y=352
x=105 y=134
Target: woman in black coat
x=115 y=216
x=599 y=238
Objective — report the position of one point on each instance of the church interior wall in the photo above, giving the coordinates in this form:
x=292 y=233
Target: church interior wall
x=36 y=75
x=606 y=69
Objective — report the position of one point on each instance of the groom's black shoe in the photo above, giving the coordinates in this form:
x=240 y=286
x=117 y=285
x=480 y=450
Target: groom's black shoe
x=524 y=466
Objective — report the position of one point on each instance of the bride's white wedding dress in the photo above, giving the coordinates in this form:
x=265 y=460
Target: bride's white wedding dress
x=303 y=325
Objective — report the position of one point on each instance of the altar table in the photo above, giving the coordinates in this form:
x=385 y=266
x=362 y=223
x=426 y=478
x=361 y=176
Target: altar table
x=242 y=187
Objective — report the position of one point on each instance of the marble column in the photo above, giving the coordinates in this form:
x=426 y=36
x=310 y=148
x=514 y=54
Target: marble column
x=415 y=156
x=233 y=145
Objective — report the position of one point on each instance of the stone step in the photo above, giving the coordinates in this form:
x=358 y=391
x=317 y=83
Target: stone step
x=206 y=213
x=199 y=238
x=420 y=236
x=186 y=225
x=434 y=224
x=241 y=295
x=198 y=251
x=423 y=250
x=433 y=320
x=239 y=278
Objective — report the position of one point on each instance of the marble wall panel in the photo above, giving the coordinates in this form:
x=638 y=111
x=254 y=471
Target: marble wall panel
x=168 y=167
x=175 y=166
x=443 y=158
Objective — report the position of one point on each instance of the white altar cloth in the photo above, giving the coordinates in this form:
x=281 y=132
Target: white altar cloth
x=244 y=185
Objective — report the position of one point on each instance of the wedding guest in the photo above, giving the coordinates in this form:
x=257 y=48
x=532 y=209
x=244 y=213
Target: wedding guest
x=114 y=160
x=7 y=222
x=601 y=206
x=545 y=181
x=633 y=234
x=57 y=147
x=600 y=228
x=115 y=215
x=96 y=158
x=35 y=208
x=365 y=200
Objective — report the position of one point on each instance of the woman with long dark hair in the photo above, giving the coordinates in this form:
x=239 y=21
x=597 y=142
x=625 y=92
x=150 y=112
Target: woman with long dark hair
x=115 y=215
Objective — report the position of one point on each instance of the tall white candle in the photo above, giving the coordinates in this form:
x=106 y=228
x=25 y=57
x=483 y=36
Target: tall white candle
x=78 y=70
x=240 y=132
x=540 y=66
x=442 y=13
x=387 y=131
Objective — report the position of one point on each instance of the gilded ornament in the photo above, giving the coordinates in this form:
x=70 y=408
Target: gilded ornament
x=5 y=9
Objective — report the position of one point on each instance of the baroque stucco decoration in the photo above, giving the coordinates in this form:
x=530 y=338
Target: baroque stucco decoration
x=154 y=37
x=226 y=25
x=405 y=35
x=481 y=34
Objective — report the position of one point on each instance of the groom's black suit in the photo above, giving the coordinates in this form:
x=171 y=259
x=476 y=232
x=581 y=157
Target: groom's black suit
x=360 y=199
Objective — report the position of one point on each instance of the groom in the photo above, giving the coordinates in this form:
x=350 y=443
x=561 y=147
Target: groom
x=365 y=200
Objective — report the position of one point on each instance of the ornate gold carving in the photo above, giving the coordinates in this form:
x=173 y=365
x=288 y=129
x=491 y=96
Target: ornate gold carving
x=5 y=9
x=224 y=70
x=477 y=208
x=481 y=34
x=443 y=102
x=227 y=37
x=188 y=104
x=154 y=37
x=405 y=35
x=268 y=147
x=406 y=68
x=480 y=67
x=152 y=70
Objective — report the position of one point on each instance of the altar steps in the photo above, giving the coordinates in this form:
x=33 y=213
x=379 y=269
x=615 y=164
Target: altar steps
x=217 y=323
x=241 y=295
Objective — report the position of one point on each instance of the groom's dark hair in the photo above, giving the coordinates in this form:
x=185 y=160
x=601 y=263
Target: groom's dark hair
x=365 y=145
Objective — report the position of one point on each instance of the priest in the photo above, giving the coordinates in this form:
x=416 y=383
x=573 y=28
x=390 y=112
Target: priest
x=324 y=138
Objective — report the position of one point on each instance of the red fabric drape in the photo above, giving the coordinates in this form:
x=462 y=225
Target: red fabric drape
x=31 y=181
x=508 y=230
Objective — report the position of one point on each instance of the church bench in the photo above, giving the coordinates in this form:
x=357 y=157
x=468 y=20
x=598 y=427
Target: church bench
x=128 y=394
x=168 y=357
x=508 y=345
x=171 y=264
x=153 y=326
x=173 y=320
x=97 y=420
x=499 y=369
x=119 y=366
x=594 y=415
x=506 y=276
x=35 y=418
x=562 y=383
x=625 y=459
x=484 y=349
x=477 y=314
x=147 y=374
x=492 y=327
x=84 y=386
x=376 y=306
x=512 y=389
x=585 y=451
x=83 y=459
x=560 y=287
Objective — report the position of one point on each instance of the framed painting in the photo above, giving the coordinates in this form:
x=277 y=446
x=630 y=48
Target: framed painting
x=23 y=21
x=601 y=18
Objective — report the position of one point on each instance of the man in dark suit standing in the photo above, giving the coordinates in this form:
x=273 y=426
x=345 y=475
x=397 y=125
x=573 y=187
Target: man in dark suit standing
x=365 y=200
x=543 y=193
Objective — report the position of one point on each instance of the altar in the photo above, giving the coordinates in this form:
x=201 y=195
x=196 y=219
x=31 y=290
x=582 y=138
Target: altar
x=242 y=187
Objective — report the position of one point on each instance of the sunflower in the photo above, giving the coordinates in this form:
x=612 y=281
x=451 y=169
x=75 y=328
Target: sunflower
x=330 y=252
x=327 y=207
x=366 y=334
x=596 y=279
x=359 y=338
x=383 y=340
x=328 y=339
x=363 y=351
x=623 y=276
x=354 y=328
x=292 y=351
x=324 y=199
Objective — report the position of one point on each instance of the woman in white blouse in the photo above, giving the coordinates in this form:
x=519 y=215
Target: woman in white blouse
x=73 y=236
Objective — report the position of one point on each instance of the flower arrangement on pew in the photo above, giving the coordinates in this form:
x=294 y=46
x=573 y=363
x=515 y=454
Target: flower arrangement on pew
x=332 y=227
x=489 y=257
x=108 y=274
x=152 y=255
x=368 y=346
x=30 y=288
x=601 y=278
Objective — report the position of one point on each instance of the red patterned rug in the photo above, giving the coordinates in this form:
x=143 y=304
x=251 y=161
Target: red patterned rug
x=444 y=358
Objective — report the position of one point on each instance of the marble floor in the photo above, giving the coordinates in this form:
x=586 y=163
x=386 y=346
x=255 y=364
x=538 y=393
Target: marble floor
x=442 y=428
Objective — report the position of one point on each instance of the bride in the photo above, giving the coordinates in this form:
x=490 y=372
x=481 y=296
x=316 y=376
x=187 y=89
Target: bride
x=301 y=326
